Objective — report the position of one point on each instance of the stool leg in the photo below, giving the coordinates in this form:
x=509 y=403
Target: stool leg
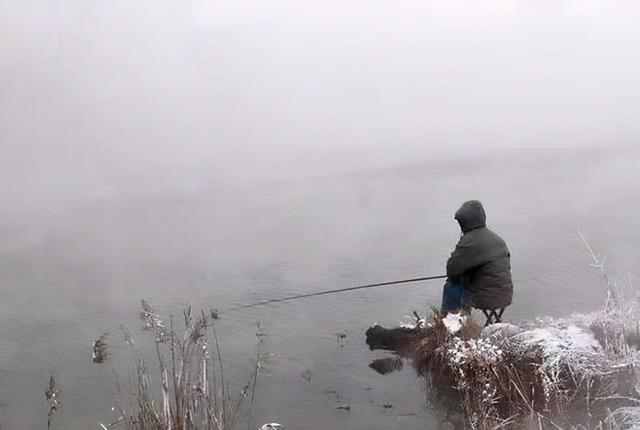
x=487 y=314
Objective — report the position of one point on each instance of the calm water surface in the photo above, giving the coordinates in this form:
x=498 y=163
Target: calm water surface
x=69 y=274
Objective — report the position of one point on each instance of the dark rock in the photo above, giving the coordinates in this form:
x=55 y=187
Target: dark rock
x=386 y=365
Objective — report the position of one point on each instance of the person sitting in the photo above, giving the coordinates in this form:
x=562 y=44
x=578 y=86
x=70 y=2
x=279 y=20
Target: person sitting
x=479 y=268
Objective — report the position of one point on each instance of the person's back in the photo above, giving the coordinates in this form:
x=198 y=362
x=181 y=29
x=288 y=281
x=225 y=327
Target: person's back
x=480 y=262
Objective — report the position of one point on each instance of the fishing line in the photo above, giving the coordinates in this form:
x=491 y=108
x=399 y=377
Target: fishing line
x=340 y=290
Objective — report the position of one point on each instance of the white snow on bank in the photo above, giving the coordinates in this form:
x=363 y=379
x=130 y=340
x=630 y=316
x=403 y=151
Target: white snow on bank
x=555 y=340
x=453 y=322
x=500 y=331
x=582 y=339
x=411 y=324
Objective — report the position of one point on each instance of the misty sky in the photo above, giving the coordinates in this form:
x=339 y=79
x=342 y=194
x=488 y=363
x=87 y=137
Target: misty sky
x=97 y=96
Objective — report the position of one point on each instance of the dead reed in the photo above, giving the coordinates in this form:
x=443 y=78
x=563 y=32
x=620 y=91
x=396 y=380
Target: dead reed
x=494 y=382
x=538 y=374
x=186 y=389
x=52 y=393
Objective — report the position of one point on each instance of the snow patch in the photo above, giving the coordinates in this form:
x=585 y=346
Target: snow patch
x=555 y=341
x=453 y=322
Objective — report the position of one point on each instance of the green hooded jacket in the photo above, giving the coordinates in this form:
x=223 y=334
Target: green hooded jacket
x=481 y=260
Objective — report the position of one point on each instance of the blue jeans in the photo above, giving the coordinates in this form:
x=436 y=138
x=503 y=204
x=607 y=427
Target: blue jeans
x=455 y=296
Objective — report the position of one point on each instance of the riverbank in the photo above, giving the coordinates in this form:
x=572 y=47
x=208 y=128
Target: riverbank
x=574 y=372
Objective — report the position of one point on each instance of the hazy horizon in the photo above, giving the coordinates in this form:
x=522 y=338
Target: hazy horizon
x=254 y=91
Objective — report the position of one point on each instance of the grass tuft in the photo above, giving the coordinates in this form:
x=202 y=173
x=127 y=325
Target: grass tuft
x=186 y=388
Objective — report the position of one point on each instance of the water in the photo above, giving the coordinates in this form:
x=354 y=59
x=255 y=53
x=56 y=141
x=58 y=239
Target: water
x=69 y=273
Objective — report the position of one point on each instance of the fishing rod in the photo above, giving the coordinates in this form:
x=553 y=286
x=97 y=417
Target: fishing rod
x=340 y=290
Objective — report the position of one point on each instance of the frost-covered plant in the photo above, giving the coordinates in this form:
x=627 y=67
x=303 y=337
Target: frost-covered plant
x=492 y=378
x=193 y=393
x=537 y=373
x=52 y=393
x=625 y=418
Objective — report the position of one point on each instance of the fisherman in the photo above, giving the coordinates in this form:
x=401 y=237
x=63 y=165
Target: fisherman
x=479 y=269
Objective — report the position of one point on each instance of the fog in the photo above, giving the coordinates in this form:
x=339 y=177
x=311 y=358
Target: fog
x=106 y=97
x=235 y=150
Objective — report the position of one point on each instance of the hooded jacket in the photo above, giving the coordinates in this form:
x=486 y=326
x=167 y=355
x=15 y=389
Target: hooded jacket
x=481 y=260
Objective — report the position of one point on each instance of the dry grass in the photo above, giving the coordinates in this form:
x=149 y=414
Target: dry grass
x=52 y=393
x=186 y=388
x=515 y=382
x=494 y=382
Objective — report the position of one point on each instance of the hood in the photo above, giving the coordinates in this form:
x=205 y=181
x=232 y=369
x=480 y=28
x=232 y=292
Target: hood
x=471 y=216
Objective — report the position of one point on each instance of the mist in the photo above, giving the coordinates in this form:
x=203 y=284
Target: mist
x=102 y=98
x=229 y=151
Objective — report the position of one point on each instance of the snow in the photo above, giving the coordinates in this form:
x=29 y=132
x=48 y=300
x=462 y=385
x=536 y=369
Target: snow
x=461 y=351
x=558 y=340
x=270 y=426
x=500 y=331
x=411 y=324
x=581 y=339
x=453 y=322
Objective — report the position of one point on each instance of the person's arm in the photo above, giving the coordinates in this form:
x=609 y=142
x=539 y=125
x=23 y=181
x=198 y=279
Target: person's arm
x=465 y=257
